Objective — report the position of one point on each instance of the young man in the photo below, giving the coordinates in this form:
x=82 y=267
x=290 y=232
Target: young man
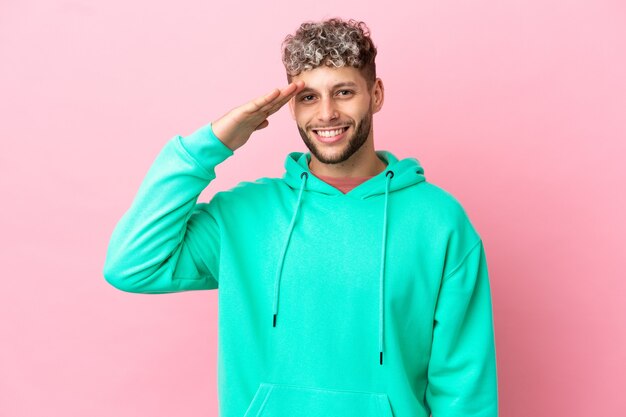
x=349 y=287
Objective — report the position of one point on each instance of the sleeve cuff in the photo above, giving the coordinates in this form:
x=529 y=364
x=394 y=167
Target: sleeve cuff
x=206 y=148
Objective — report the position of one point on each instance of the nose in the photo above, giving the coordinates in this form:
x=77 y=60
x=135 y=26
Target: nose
x=327 y=110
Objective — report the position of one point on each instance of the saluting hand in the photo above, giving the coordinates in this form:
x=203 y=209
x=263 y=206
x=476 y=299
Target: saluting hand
x=235 y=127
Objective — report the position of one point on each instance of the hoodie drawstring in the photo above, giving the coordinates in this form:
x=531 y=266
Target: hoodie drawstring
x=381 y=298
x=304 y=177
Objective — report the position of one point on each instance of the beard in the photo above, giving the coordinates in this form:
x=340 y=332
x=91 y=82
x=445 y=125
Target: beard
x=354 y=142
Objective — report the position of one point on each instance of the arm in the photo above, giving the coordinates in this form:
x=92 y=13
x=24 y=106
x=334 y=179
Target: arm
x=166 y=242
x=462 y=378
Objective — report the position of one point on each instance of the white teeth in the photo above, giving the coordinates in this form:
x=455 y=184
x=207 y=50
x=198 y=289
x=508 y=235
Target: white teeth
x=329 y=133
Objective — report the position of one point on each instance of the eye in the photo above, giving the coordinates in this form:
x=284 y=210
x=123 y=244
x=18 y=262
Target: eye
x=345 y=91
x=303 y=98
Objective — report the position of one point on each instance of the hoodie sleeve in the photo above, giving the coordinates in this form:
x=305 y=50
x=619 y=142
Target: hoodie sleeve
x=167 y=242
x=462 y=378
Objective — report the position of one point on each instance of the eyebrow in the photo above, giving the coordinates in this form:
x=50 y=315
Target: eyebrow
x=341 y=84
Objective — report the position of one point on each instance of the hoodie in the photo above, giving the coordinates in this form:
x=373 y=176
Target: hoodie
x=375 y=302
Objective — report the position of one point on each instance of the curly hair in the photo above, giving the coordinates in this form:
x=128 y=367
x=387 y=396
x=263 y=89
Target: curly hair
x=332 y=42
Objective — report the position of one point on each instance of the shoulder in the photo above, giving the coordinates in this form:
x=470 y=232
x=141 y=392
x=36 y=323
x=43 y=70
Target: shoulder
x=445 y=211
x=437 y=200
x=251 y=191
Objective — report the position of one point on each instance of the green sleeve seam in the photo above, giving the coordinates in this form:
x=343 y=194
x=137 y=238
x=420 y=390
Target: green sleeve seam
x=199 y=278
x=462 y=259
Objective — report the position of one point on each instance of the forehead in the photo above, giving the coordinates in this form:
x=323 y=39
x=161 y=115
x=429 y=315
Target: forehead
x=327 y=78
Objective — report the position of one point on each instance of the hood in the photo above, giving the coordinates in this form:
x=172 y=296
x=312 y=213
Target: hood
x=397 y=175
x=406 y=172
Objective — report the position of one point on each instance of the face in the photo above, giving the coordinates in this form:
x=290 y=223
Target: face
x=334 y=112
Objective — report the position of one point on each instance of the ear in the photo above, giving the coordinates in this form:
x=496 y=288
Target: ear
x=378 y=95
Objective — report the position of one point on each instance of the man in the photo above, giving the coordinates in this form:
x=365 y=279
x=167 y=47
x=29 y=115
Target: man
x=349 y=287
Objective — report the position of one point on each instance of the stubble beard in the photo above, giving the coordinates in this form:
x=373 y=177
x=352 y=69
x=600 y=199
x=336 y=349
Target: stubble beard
x=358 y=138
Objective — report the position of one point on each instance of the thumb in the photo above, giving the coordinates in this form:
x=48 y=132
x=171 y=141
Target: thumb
x=263 y=125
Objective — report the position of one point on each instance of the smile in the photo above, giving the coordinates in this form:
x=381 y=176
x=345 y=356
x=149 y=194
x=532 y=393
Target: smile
x=331 y=135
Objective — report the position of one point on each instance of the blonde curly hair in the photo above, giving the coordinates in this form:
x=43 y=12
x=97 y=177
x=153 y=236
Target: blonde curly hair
x=332 y=42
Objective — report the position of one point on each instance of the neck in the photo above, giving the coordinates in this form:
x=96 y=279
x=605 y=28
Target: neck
x=363 y=163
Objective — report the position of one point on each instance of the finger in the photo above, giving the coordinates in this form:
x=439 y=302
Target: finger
x=288 y=92
x=285 y=95
x=271 y=102
x=265 y=99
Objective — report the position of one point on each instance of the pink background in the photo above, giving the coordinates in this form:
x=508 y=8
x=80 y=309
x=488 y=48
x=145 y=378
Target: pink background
x=517 y=108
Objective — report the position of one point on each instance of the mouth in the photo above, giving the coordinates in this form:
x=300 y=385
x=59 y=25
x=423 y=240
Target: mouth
x=330 y=135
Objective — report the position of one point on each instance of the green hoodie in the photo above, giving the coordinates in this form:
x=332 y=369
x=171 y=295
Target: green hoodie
x=371 y=303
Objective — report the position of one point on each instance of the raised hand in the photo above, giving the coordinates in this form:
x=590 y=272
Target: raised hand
x=235 y=127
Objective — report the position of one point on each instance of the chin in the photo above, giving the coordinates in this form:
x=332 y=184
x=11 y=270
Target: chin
x=333 y=154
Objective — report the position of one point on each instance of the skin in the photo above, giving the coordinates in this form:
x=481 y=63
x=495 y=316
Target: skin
x=235 y=127
x=324 y=103
x=321 y=105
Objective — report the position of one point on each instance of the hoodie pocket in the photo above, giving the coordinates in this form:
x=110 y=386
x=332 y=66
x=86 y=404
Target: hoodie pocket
x=280 y=400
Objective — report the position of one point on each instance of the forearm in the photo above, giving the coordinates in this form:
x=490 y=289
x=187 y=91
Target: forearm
x=148 y=242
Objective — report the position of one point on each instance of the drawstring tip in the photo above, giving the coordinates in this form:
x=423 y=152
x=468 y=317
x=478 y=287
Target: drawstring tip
x=274 y=320
x=381 y=357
